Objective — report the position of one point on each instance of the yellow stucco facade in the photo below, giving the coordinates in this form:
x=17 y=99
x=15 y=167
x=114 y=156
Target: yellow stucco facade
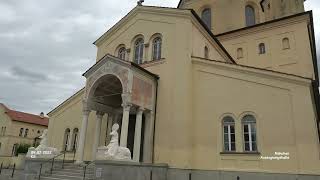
x=204 y=78
x=10 y=133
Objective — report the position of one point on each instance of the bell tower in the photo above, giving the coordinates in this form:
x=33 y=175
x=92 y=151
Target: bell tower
x=227 y=15
x=274 y=9
x=223 y=15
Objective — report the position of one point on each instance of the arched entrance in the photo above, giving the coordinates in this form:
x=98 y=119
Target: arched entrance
x=107 y=90
x=126 y=92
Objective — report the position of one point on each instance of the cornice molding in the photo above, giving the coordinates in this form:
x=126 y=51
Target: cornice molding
x=274 y=75
x=141 y=9
x=262 y=27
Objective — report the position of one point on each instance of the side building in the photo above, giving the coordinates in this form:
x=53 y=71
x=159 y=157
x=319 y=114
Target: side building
x=19 y=128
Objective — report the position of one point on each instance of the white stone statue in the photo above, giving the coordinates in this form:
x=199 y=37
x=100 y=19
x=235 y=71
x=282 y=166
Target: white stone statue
x=113 y=151
x=42 y=151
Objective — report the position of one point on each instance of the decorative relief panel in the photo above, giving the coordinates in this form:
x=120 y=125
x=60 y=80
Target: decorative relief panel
x=142 y=93
x=109 y=68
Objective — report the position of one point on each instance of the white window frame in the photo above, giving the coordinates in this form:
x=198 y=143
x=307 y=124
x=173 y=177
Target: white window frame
x=138 y=56
x=122 y=53
x=250 y=127
x=262 y=48
x=157 y=47
x=228 y=124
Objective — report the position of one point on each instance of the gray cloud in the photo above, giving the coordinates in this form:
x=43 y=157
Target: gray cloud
x=28 y=75
x=47 y=45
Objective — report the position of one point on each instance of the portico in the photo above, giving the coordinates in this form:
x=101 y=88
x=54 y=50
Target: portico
x=126 y=93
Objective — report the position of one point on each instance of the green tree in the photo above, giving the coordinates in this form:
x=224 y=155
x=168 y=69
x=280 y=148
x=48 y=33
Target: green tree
x=22 y=149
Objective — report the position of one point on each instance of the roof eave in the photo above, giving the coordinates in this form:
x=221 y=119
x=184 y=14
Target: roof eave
x=212 y=36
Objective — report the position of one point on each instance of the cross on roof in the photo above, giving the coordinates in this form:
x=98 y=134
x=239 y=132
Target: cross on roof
x=140 y=2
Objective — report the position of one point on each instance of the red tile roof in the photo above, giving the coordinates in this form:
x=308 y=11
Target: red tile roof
x=26 y=117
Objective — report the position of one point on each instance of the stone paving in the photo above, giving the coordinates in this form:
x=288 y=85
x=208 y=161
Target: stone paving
x=6 y=174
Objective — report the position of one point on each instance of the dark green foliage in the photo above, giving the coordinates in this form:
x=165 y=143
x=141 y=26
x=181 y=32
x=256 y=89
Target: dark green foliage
x=22 y=149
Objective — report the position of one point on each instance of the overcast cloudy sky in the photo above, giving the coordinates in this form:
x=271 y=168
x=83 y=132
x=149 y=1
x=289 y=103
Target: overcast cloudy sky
x=45 y=46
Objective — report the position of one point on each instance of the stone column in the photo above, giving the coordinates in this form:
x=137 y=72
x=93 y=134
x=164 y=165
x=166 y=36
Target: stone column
x=148 y=137
x=97 y=134
x=111 y=117
x=137 y=135
x=125 y=125
x=83 y=132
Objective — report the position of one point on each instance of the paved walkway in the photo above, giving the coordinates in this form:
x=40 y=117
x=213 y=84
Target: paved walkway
x=6 y=174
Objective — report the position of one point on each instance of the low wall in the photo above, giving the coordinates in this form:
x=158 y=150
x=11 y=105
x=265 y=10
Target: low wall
x=179 y=174
x=18 y=161
x=5 y=160
x=32 y=167
x=112 y=170
x=115 y=170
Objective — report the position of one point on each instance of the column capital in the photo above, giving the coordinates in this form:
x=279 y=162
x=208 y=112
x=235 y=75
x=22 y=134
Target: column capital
x=85 y=107
x=99 y=114
x=140 y=110
x=111 y=115
x=126 y=106
x=126 y=98
x=86 y=111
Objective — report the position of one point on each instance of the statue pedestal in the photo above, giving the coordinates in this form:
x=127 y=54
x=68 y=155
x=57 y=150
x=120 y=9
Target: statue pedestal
x=116 y=153
x=113 y=151
x=42 y=151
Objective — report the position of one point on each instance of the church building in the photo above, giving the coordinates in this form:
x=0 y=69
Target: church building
x=212 y=89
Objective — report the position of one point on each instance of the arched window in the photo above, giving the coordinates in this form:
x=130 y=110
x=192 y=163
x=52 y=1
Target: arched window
x=122 y=53
x=206 y=52
x=21 y=132
x=250 y=16
x=66 y=139
x=229 y=137
x=262 y=48
x=3 y=131
x=249 y=133
x=239 y=53
x=285 y=43
x=74 y=144
x=26 y=132
x=138 y=51
x=206 y=17
x=156 y=51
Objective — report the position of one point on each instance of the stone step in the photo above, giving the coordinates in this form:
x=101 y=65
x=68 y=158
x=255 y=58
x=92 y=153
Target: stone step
x=58 y=178
x=72 y=170
x=66 y=177
x=72 y=173
x=70 y=177
x=76 y=166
